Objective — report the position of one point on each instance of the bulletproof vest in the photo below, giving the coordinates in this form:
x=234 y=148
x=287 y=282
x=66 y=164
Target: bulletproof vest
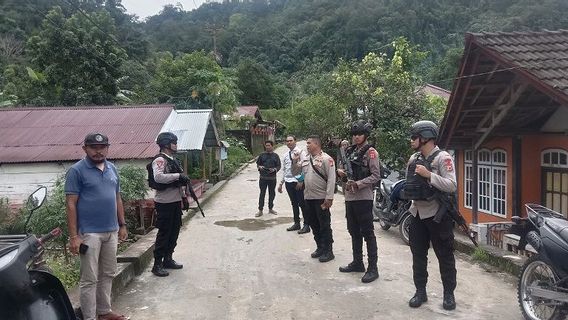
x=417 y=187
x=172 y=166
x=360 y=169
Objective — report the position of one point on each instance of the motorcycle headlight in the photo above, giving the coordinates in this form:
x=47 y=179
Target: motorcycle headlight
x=7 y=258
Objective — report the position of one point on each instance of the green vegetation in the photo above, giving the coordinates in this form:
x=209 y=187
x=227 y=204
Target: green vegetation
x=237 y=154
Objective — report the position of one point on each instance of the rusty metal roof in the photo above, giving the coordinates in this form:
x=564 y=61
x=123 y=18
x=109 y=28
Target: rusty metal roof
x=56 y=134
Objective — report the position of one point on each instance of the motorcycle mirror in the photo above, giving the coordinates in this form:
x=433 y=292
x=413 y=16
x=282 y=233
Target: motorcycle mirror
x=35 y=200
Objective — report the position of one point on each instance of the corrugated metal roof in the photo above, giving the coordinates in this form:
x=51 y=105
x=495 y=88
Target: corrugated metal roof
x=56 y=134
x=194 y=128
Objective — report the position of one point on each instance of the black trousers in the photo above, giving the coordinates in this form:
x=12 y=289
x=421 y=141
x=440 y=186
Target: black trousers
x=359 y=216
x=442 y=237
x=168 y=222
x=271 y=185
x=320 y=222
x=297 y=200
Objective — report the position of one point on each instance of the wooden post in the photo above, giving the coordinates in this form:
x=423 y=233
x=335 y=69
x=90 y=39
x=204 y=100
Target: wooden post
x=475 y=189
x=203 y=163
x=210 y=161
x=517 y=171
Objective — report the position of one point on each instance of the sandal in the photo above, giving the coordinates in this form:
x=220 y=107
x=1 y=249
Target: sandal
x=113 y=316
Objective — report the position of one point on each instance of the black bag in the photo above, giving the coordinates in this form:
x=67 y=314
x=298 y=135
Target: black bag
x=161 y=186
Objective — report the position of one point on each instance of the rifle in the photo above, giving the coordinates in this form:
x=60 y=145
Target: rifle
x=346 y=165
x=448 y=205
x=194 y=196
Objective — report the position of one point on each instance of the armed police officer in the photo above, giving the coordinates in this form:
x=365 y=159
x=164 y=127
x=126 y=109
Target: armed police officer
x=364 y=163
x=430 y=171
x=169 y=181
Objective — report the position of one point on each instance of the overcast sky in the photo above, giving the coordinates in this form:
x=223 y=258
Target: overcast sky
x=145 y=8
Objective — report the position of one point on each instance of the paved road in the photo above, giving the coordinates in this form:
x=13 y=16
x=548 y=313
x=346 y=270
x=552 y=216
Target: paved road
x=239 y=267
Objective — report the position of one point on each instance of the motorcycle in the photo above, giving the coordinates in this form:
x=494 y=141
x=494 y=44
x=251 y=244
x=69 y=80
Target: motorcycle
x=391 y=211
x=543 y=282
x=29 y=290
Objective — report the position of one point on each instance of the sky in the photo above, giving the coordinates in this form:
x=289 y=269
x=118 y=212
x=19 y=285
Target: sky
x=145 y=8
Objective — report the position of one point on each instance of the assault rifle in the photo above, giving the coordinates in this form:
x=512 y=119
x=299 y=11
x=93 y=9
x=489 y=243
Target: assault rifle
x=194 y=196
x=448 y=205
x=346 y=166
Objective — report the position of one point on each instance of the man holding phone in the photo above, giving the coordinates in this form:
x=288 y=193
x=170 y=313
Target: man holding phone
x=268 y=163
x=95 y=218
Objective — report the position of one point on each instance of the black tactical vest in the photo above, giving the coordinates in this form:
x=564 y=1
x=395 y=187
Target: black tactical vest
x=360 y=169
x=172 y=166
x=417 y=187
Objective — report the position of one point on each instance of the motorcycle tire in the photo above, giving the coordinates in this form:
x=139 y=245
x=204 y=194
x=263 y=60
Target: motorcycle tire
x=536 y=271
x=404 y=228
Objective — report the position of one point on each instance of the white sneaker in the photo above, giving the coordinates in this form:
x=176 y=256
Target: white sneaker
x=271 y=211
x=258 y=214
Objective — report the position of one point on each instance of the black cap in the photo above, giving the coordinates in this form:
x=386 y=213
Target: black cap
x=96 y=138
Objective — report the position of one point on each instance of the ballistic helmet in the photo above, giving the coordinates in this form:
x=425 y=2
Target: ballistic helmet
x=165 y=138
x=361 y=126
x=424 y=129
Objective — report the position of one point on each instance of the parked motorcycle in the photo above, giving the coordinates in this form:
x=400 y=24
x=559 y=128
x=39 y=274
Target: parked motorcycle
x=543 y=283
x=28 y=289
x=388 y=213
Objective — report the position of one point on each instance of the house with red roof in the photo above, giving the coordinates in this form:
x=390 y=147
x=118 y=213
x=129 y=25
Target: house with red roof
x=507 y=120
x=40 y=144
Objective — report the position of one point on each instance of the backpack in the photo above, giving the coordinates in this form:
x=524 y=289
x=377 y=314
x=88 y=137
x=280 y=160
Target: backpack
x=160 y=186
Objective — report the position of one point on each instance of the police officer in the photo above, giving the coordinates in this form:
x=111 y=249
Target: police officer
x=364 y=161
x=430 y=170
x=170 y=180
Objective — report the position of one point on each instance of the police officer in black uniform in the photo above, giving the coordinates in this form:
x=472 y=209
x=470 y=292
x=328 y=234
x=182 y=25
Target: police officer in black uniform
x=430 y=170
x=170 y=183
x=364 y=163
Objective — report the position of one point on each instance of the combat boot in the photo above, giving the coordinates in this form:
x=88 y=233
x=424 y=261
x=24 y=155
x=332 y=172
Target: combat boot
x=170 y=263
x=294 y=227
x=418 y=299
x=158 y=269
x=353 y=266
x=317 y=253
x=449 y=302
x=371 y=275
x=305 y=229
x=327 y=254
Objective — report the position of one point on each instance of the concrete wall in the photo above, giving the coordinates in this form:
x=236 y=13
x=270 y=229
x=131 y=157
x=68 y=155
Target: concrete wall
x=18 y=181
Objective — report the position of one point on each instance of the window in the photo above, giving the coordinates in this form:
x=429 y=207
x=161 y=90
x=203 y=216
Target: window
x=491 y=181
x=555 y=180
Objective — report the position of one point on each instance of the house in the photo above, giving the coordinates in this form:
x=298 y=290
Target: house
x=40 y=144
x=255 y=132
x=507 y=121
x=249 y=111
x=432 y=90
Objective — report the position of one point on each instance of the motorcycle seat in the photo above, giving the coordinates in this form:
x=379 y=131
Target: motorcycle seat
x=388 y=185
x=560 y=226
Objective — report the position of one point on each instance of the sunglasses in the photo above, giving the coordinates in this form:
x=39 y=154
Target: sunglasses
x=414 y=137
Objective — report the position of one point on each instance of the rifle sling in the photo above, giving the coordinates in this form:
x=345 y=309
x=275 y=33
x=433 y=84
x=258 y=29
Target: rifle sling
x=317 y=171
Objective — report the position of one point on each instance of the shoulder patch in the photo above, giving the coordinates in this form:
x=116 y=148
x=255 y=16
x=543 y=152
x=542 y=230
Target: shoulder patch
x=160 y=162
x=448 y=164
x=373 y=154
x=331 y=162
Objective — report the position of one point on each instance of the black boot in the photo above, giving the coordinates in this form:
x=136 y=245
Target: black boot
x=419 y=298
x=353 y=266
x=158 y=269
x=327 y=254
x=371 y=275
x=449 y=302
x=305 y=229
x=294 y=227
x=170 y=263
x=317 y=253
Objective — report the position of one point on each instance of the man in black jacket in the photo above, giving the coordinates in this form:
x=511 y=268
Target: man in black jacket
x=268 y=163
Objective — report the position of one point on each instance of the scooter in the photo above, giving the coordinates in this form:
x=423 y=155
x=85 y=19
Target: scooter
x=391 y=213
x=28 y=290
x=543 y=282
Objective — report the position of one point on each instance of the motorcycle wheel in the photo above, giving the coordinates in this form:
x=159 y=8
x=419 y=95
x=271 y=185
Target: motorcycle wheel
x=378 y=205
x=404 y=228
x=537 y=272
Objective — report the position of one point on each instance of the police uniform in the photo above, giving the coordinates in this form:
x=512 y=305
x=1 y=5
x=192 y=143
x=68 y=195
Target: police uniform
x=359 y=204
x=424 y=230
x=319 y=182
x=168 y=204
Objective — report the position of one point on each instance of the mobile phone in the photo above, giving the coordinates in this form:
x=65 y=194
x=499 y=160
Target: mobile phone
x=83 y=248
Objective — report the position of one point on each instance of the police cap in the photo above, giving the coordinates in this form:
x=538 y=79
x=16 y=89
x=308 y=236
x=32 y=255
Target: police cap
x=96 y=139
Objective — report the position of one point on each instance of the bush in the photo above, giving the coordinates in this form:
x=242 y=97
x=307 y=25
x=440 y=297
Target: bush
x=237 y=154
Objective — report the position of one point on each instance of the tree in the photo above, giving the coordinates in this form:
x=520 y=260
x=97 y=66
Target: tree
x=258 y=86
x=194 y=80
x=77 y=58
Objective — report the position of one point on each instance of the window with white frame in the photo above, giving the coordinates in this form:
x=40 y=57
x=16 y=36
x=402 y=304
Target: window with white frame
x=491 y=181
x=468 y=179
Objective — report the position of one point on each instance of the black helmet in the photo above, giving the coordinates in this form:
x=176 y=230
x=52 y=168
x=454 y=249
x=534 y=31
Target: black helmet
x=425 y=129
x=361 y=126
x=165 y=138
